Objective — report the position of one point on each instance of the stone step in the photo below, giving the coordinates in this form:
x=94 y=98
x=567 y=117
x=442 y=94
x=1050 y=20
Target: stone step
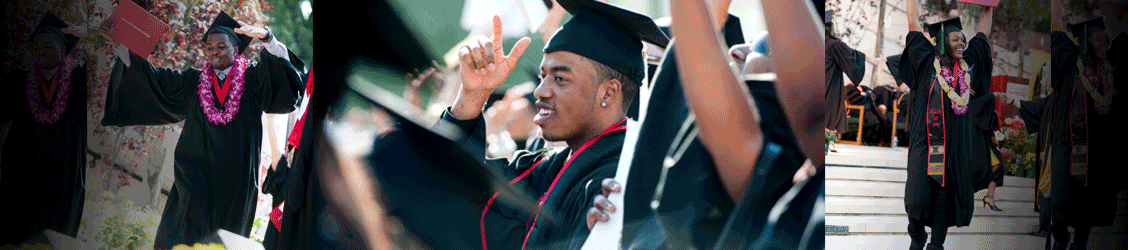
x=896 y=205
x=954 y=241
x=836 y=205
x=898 y=175
x=897 y=190
x=854 y=155
x=885 y=224
x=899 y=224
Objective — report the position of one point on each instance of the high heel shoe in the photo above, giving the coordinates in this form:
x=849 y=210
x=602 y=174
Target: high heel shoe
x=992 y=206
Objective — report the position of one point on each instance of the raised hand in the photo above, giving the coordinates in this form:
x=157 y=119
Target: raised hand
x=483 y=67
x=252 y=31
x=483 y=64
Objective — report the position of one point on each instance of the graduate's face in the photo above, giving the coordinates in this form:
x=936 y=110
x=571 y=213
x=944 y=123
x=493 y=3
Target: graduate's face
x=956 y=45
x=1099 y=40
x=48 y=50
x=220 y=51
x=566 y=98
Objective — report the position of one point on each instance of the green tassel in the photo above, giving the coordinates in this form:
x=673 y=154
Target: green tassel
x=1085 y=41
x=941 y=39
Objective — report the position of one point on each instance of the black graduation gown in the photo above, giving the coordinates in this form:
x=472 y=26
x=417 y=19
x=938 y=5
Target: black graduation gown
x=216 y=165
x=840 y=59
x=569 y=200
x=44 y=165
x=1072 y=203
x=967 y=135
x=696 y=211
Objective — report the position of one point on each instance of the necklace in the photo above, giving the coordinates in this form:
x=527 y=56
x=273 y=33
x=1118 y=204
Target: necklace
x=944 y=76
x=1101 y=101
x=35 y=98
x=231 y=107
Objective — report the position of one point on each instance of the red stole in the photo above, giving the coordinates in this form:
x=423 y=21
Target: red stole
x=936 y=132
x=221 y=91
x=1079 y=135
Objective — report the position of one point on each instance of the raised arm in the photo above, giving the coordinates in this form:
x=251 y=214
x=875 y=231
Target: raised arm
x=985 y=20
x=141 y=94
x=716 y=96
x=912 y=13
x=800 y=76
x=1056 y=22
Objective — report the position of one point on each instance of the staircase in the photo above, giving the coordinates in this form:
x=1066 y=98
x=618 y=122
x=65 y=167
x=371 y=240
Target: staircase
x=865 y=208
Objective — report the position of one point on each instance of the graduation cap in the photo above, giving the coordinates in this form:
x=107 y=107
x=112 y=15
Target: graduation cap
x=1081 y=32
x=51 y=24
x=431 y=184
x=224 y=24
x=947 y=26
x=607 y=34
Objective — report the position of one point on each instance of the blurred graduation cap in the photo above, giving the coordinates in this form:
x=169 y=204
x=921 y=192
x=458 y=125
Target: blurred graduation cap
x=947 y=26
x=431 y=183
x=1081 y=32
x=223 y=23
x=51 y=24
x=607 y=34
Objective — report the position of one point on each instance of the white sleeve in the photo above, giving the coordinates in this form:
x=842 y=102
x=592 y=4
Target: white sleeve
x=278 y=49
x=122 y=53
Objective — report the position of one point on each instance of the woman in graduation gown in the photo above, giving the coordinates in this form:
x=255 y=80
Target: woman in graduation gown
x=44 y=157
x=1077 y=136
x=949 y=125
x=221 y=106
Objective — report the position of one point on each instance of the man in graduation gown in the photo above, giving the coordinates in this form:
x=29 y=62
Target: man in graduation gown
x=948 y=126
x=1076 y=133
x=217 y=158
x=590 y=65
x=44 y=158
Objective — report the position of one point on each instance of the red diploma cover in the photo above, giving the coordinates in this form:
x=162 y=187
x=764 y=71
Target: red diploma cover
x=136 y=28
x=988 y=3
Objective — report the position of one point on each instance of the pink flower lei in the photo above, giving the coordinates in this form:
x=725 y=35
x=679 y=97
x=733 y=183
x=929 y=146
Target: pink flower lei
x=1096 y=74
x=231 y=107
x=34 y=97
x=961 y=84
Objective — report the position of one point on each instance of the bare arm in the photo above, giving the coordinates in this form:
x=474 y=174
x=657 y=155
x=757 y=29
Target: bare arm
x=800 y=76
x=716 y=96
x=912 y=13
x=985 y=20
x=1056 y=22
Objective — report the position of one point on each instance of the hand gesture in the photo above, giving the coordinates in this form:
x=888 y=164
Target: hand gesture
x=415 y=84
x=600 y=205
x=483 y=66
x=252 y=31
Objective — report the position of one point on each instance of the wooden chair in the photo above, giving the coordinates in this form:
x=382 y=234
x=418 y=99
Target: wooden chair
x=861 y=120
x=897 y=126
